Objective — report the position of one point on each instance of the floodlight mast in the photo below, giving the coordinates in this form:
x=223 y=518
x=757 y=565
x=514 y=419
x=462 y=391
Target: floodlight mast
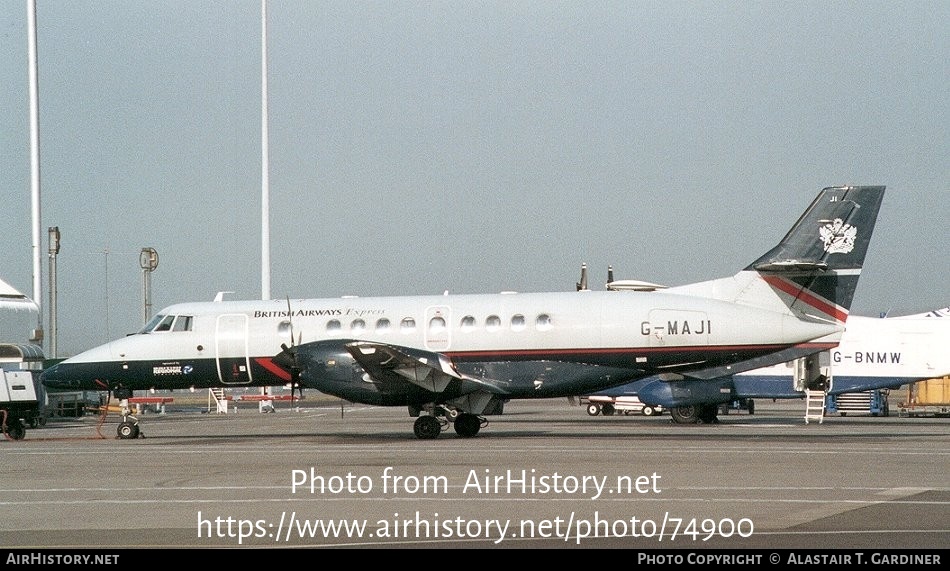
x=148 y=261
x=54 y=237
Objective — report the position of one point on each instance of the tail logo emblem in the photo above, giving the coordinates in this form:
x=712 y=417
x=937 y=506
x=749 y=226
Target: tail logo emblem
x=838 y=237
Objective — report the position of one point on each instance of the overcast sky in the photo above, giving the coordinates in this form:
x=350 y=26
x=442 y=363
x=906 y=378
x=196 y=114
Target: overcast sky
x=418 y=147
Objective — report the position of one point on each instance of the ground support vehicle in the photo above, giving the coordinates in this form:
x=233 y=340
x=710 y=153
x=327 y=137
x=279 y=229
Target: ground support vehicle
x=927 y=398
x=626 y=404
x=18 y=403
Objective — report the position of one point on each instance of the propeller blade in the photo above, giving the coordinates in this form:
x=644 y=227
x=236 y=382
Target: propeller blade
x=290 y=318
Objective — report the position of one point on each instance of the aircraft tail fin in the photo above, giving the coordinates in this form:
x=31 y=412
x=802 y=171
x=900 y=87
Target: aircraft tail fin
x=816 y=266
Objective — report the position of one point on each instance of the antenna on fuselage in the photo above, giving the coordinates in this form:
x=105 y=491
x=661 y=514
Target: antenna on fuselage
x=582 y=285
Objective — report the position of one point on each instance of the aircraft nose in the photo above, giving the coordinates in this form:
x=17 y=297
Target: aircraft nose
x=52 y=378
x=81 y=372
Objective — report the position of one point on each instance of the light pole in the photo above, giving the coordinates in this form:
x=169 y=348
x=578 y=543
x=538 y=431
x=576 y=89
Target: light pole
x=148 y=261
x=53 y=251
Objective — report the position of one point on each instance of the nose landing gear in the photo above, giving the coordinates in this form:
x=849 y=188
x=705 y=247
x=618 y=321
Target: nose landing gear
x=129 y=427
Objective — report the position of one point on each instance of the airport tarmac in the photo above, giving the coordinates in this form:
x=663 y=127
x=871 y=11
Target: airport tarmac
x=543 y=475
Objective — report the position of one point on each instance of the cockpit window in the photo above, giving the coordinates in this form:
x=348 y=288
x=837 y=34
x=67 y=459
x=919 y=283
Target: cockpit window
x=152 y=323
x=182 y=323
x=165 y=324
x=162 y=322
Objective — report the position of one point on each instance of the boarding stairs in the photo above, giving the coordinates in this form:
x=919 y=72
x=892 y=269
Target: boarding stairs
x=814 y=405
x=220 y=400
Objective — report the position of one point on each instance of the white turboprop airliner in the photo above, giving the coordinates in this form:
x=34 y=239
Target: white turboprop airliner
x=454 y=358
x=874 y=353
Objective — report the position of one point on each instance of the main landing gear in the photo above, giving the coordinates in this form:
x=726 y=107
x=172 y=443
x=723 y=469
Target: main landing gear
x=429 y=426
x=695 y=414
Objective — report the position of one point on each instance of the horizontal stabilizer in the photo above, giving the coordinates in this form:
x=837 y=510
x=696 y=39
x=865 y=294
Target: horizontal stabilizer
x=10 y=298
x=780 y=266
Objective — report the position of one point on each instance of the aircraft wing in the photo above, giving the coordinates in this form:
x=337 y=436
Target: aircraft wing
x=429 y=370
x=784 y=356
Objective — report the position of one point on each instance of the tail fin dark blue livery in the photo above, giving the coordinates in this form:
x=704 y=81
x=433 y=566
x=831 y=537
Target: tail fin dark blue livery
x=816 y=267
x=813 y=272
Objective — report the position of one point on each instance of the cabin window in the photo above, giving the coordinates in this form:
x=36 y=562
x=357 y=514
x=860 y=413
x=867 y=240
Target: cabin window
x=358 y=326
x=437 y=325
x=382 y=325
x=408 y=325
x=493 y=323
x=543 y=322
x=333 y=326
x=468 y=323
x=182 y=323
x=517 y=322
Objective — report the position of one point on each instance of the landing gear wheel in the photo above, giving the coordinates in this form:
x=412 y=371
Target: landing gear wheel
x=593 y=409
x=16 y=430
x=708 y=414
x=751 y=406
x=467 y=425
x=127 y=430
x=685 y=414
x=608 y=410
x=427 y=427
x=649 y=411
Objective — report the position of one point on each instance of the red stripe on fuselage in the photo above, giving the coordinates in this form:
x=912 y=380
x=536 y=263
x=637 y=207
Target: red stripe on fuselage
x=553 y=353
x=273 y=368
x=798 y=292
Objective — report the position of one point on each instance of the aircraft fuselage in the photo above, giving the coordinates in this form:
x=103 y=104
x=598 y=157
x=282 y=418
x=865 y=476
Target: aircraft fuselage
x=522 y=345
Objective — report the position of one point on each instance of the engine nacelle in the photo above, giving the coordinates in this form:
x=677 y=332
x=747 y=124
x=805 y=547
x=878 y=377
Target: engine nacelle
x=324 y=362
x=671 y=394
